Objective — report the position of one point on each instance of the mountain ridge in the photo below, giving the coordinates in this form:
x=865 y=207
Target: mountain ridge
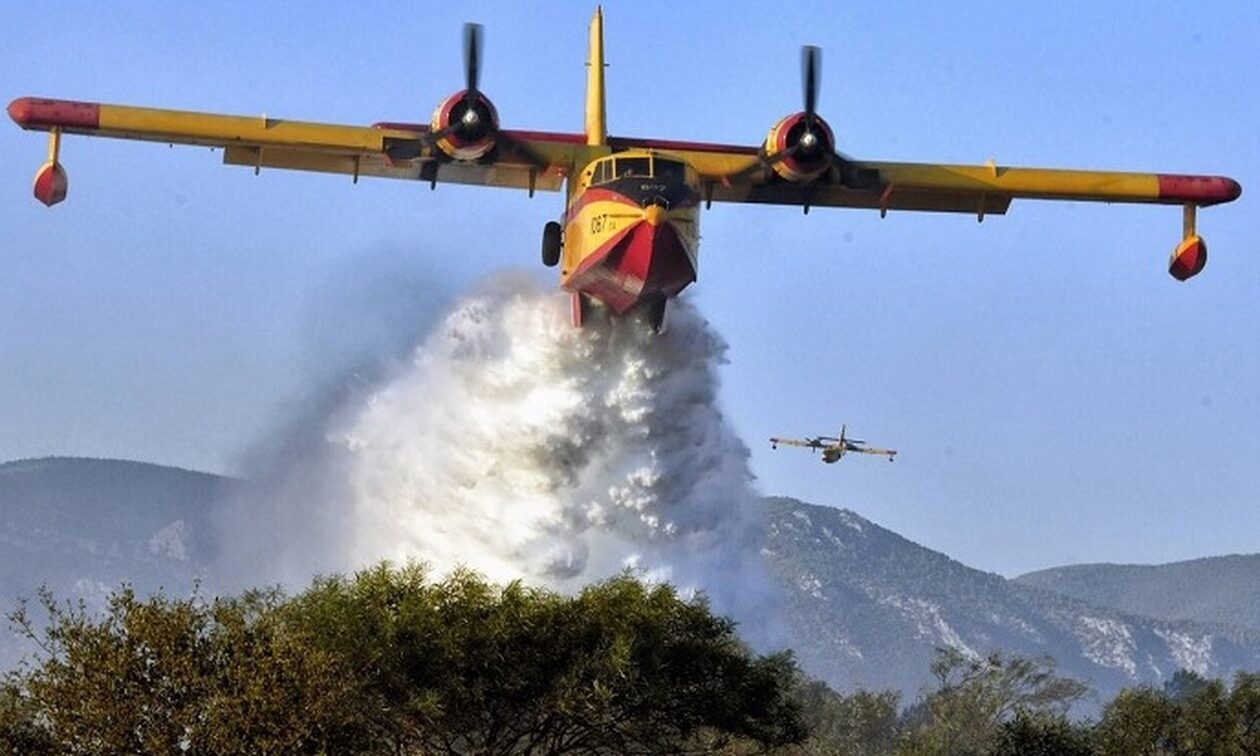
x=1222 y=590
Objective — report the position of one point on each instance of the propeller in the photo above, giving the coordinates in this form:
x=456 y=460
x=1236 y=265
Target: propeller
x=811 y=65
x=809 y=144
x=472 y=117
x=472 y=63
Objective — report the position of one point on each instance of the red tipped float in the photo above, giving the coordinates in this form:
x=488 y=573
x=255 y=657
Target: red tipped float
x=1188 y=258
x=51 y=183
x=1201 y=190
x=70 y=115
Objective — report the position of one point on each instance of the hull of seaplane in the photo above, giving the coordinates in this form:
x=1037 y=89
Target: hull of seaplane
x=631 y=246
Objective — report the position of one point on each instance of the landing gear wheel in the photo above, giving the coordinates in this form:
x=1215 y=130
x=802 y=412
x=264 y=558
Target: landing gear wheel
x=551 y=244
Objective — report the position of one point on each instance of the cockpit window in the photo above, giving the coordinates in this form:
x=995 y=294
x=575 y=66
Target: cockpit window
x=602 y=172
x=639 y=167
x=670 y=169
x=610 y=169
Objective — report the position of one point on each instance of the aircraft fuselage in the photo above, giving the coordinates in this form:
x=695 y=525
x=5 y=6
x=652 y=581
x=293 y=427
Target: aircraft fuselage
x=631 y=229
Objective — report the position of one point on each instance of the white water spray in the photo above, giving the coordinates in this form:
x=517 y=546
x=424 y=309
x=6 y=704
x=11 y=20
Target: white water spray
x=523 y=448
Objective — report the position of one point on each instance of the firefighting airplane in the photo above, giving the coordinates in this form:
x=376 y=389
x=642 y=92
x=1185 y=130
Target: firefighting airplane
x=629 y=234
x=833 y=448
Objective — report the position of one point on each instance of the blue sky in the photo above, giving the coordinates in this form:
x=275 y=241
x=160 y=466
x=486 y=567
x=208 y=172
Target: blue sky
x=1056 y=396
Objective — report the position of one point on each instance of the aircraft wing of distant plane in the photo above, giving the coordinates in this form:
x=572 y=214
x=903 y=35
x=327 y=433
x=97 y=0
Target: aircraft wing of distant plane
x=811 y=443
x=855 y=447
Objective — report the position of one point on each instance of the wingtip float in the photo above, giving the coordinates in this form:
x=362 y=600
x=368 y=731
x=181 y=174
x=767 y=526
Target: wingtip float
x=629 y=235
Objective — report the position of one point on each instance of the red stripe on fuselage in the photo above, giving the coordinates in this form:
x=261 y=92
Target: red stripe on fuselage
x=643 y=264
x=600 y=195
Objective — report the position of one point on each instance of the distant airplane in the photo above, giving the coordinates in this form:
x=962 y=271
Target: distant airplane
x=833 y=448
x=629 y=235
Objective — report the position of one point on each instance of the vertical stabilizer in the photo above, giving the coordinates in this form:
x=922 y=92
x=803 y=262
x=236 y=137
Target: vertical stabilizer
x=596 y=126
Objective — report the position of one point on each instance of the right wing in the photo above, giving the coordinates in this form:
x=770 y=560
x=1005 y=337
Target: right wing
x=524 y=159
x=794 y=442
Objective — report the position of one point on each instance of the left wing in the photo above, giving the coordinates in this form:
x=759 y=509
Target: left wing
x=774 y=176
x=520 y=159
x=732 y=173
x=890 y=453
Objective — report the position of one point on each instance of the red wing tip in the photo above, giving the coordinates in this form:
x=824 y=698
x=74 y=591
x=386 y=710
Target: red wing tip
x=20 y=111
x=1201 y=190
x=38 y=113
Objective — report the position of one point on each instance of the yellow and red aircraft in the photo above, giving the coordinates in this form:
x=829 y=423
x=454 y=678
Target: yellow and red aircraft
x=834 y=448
x=629 y=233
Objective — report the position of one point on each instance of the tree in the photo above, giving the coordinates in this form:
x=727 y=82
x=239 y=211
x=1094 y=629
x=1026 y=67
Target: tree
x=863 y=723
x=1184 y=684
x=622 y=667
x=388 y=662
x=165 y=676
x=974 y=696
x=1244 y=708
x=1137 y=722
x=21 y=733
x=1204 y=726
x=1041 y=734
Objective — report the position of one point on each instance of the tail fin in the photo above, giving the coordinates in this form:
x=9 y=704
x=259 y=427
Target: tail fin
x=596 y=126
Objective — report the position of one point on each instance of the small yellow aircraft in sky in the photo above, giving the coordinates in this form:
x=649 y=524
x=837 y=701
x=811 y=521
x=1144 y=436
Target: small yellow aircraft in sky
x=833 y=448
x=630 y=230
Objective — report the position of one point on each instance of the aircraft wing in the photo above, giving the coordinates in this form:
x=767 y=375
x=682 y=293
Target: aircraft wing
x=525 y=160
x=741 y=174
x=808 y=444
x=890 y=453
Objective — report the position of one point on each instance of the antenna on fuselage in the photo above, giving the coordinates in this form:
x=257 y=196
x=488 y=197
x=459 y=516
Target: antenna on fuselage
x=596 y=125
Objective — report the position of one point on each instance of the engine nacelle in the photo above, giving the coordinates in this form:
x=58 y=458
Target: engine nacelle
x=465 y=135
x=795 y=160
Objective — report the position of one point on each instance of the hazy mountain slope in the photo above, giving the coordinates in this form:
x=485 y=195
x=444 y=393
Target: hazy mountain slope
x=84 y=526
x=1223 y=590
x=872 y=606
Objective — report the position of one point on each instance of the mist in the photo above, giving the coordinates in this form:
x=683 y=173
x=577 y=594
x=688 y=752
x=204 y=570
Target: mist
x=502 y=439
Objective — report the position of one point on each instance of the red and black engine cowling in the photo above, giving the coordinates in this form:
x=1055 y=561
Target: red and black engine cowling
x=465 y=127
x=800 y=147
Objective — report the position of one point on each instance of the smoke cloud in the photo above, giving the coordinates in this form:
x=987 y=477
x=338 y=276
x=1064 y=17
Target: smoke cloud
x=509 y=442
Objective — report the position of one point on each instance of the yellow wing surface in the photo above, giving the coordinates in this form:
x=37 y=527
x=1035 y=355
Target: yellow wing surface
x=807 y=444
x=526 y=160
x=871 y=450
x=743 y=174
x=542 y=160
